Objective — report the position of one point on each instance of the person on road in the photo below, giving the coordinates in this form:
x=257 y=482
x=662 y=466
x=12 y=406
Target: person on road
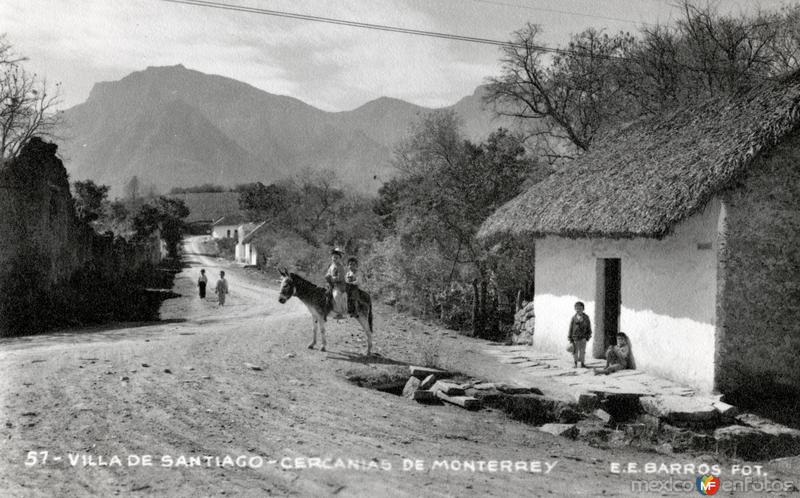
x=580 y=331
x=221 y=288
x=202 y=282
x=335 y=276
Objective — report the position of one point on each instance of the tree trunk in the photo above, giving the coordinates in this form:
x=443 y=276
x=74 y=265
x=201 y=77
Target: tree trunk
x=484 y=307
x=476 y=318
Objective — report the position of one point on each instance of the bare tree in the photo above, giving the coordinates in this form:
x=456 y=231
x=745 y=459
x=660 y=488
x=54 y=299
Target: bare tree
x=598 y=80
x=27 y=108
x=570 y=94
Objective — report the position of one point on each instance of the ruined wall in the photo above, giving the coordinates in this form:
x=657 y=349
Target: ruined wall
x=37 y=216
x=54 y=269
x=759 y=307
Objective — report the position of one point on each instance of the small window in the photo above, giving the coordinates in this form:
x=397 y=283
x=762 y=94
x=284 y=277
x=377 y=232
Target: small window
x=229 y=234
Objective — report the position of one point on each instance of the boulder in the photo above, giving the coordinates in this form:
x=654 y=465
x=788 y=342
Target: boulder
x=565 y=430
x=588 y=402
x=412 y=385
x=741 y=441
x=602 y=415
x=593 y=431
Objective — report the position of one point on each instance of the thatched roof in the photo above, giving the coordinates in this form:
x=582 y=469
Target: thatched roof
x=640 y=180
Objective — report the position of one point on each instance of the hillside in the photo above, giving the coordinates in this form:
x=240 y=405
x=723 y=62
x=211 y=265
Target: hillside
x=173 y=126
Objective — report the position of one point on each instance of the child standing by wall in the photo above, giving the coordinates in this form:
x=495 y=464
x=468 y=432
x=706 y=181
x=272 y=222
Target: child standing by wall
x=580 y=331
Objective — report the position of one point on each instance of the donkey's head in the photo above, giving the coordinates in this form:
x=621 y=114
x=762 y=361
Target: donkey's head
x=287 y=286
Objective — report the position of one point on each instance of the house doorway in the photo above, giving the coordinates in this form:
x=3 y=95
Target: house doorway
x=609 y=304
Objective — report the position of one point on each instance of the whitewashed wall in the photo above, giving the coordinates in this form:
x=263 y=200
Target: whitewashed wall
x=221 y=231
x=668 y=295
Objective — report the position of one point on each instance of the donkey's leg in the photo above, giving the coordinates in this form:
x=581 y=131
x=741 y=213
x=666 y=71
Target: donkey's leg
x=364 y=321
x=313 y=332
x=322 y=333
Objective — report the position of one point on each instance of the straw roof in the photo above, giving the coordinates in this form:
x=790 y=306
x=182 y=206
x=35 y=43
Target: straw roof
x=640 y=180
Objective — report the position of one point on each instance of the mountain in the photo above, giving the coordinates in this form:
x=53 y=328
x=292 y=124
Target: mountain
x=173 y=126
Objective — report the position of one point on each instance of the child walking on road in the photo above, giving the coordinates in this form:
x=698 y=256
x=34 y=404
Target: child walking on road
x=221 y=288
x=201 y=283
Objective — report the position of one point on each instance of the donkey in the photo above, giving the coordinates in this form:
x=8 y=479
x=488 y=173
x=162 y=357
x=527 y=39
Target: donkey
x=316 y=300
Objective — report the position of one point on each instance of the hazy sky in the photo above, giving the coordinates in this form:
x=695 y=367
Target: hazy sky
x=80 y=42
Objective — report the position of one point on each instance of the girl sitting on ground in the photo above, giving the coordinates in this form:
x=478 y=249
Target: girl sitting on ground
x=619 y=357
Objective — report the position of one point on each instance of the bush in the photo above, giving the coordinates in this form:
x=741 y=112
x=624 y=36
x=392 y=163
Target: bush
x=227 y=248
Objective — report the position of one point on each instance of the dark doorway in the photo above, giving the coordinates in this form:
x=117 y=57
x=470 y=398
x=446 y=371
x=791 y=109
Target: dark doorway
x=612 y=299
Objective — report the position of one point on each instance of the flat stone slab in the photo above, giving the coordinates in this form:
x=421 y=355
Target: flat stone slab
x=428 y=382
x=563 y=430
x=679 y=408
x=448 y=388
x=724 y=409
x=509 y=389
x=467 y=402
x=422 y=372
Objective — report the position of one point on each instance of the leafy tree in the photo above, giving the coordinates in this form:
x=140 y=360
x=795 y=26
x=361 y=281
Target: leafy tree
x=166 y=215
x=89 y=199
x=449 y=185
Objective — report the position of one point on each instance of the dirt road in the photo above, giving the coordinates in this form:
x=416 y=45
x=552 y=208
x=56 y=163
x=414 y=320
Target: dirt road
x=94 y=405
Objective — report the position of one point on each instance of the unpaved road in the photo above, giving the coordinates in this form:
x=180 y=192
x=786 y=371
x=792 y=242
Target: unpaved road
x=180 y=388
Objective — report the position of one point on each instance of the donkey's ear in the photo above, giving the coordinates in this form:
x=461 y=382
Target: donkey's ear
x=282 y=272
x=285 y=271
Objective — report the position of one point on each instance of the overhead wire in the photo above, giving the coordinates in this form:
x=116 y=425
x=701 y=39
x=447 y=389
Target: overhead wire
x=566 y=12
x=379 y=27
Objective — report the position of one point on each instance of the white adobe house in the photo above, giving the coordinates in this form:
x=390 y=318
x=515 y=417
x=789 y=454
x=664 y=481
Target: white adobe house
x=227 y=227
x=246 y=251
x=683 y=232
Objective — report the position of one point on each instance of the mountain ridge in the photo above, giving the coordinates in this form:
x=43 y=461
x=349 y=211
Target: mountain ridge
x=126 y=127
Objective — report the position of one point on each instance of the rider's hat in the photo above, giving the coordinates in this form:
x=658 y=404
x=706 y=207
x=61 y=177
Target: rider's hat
x=338 y=251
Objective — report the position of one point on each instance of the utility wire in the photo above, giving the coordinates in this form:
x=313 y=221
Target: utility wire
x=567 y=12
x=379 y=27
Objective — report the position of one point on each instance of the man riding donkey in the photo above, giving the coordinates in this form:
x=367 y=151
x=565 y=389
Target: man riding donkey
x=343 y=287
x=337 y=290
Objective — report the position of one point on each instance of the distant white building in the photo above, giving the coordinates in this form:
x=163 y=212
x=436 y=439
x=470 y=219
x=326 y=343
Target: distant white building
x=246 y=251
x=227 y=227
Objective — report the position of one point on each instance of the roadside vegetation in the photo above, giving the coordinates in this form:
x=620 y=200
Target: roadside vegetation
x=416 y=240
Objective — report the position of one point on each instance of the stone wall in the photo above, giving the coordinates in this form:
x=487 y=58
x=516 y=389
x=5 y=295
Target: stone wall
x=759 y=330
